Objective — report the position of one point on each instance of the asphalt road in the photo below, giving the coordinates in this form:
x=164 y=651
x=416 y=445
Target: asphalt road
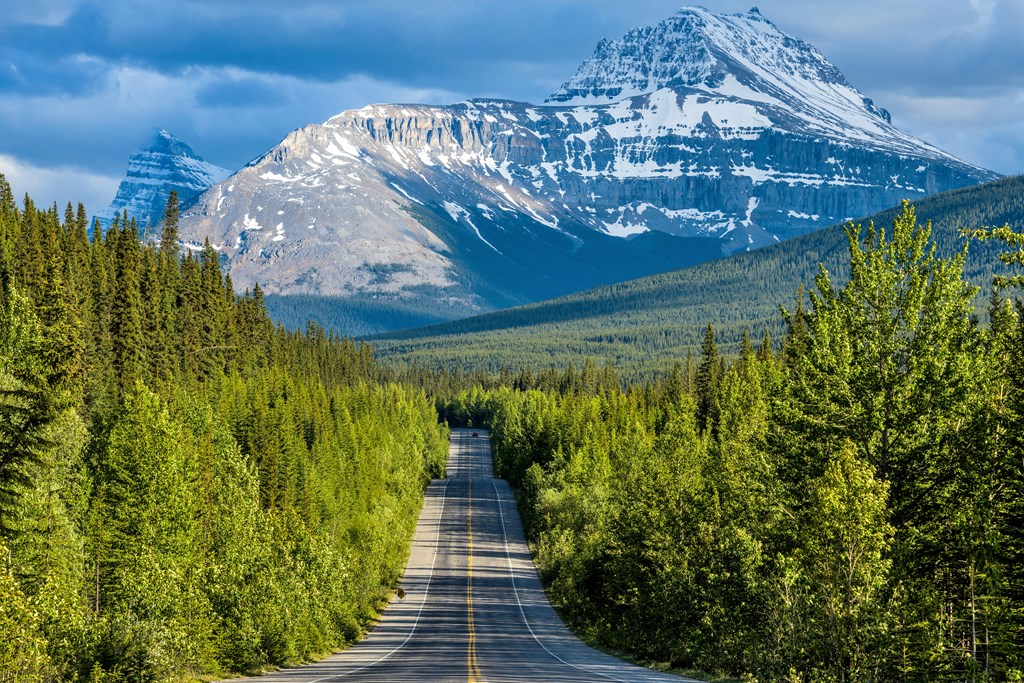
x=474 y=609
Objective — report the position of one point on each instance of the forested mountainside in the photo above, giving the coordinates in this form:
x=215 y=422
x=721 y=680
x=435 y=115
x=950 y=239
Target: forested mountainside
x=185 y=489
x=645 y=326
x=849 y=508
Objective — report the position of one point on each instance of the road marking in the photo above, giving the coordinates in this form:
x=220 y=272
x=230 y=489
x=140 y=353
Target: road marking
x=419 y=613
x=471 y=664
x=522 y=612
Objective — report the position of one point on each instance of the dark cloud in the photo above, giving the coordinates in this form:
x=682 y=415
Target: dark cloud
x=82 y=83
x=240 y=92
x=499 y=47
x=473 y=45
x=35 y=75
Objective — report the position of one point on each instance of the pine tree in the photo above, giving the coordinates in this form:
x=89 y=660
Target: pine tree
x=63 y=348
x=102 y=388
x=169 y=229
x=9 y=233
x=154 y=326
x=128 y=344
x=706 y=383
x=1003 y=497
x=26 y=403
x=764 y=352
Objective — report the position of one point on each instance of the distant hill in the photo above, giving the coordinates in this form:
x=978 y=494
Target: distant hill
x=648 y=324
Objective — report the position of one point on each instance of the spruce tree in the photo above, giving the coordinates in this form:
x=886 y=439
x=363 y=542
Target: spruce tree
x=169 y=229
x=128 y=344
x=26 y=403
x=707 y=381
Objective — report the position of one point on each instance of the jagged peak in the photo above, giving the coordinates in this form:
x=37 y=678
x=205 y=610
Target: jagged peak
x=163 y=141
x=694 y=46
x=163 y=164
x=755 y=13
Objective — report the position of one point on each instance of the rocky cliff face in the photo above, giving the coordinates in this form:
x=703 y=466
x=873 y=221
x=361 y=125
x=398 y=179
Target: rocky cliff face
x=166 y=164
x=703 y=135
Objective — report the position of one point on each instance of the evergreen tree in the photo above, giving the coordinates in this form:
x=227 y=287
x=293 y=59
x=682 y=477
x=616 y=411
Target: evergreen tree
x=706 y=382
x=169 y=229
x=128 y=344
x=26 y=403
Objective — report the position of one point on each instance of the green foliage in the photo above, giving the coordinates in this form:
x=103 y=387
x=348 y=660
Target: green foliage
x=645 y=326
x=22 y=649
x=26 y=404
x=1014 y=257
x=185 y=489
x=851 y=512
x=846 y=562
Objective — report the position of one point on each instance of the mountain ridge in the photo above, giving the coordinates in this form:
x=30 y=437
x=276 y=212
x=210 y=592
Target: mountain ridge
x=490 y=203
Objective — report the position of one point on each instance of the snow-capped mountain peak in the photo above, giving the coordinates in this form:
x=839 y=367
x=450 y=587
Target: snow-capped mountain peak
x=165 y=164
x=694 y=47
x=704 y=134
x=744 y=58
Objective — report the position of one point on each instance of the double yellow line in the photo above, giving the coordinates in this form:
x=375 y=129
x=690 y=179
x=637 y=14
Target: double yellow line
x=471 y=664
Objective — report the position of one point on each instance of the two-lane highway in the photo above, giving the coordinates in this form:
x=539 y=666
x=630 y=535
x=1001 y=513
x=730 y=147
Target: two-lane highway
x=474 y=609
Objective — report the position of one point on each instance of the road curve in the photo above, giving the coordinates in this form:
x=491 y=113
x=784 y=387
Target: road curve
x=474 y=609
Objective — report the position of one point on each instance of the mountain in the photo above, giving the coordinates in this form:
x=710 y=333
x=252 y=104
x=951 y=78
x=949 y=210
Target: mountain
x=675 y=144
x=648 y=324
x=163 y=165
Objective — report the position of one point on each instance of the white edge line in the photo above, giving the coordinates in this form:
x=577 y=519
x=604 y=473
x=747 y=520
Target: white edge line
x=522 y=612
x=426 y=594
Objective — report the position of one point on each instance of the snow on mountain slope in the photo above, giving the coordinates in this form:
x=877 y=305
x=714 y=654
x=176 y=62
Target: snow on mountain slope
x=719 y=131
x=165 y=164
x=743 y=58
x=316 y=215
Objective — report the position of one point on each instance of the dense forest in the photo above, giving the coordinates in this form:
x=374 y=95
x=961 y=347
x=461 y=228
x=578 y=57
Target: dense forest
x=187 y=489
x=647 y=325
x=184 y=487
x=846 y=506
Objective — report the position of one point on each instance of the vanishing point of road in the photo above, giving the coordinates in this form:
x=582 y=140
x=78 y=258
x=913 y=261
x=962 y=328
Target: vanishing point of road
x=474 y=609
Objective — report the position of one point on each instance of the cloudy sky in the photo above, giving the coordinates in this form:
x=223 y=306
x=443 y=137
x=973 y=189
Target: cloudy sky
x=83 y=84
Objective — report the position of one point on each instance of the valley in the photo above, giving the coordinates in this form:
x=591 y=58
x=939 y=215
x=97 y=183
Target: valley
x=644 y=327
x=703 y=367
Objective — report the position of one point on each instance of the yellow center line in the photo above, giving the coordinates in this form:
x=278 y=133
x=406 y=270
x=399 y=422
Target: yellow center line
x=471 y=664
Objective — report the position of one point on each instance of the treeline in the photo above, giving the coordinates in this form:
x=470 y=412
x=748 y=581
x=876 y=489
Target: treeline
x=846 y=507
x=645 y=326
x=362 y=315
x=184 y=487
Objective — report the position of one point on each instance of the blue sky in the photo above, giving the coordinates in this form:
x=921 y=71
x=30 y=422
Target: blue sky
x=82 y=84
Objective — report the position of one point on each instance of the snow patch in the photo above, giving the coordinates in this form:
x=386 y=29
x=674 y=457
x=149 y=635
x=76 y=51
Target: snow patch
x=250 y=223
x=406 y=194
x=457 y=212
x=751 y=205
x=270 y=175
